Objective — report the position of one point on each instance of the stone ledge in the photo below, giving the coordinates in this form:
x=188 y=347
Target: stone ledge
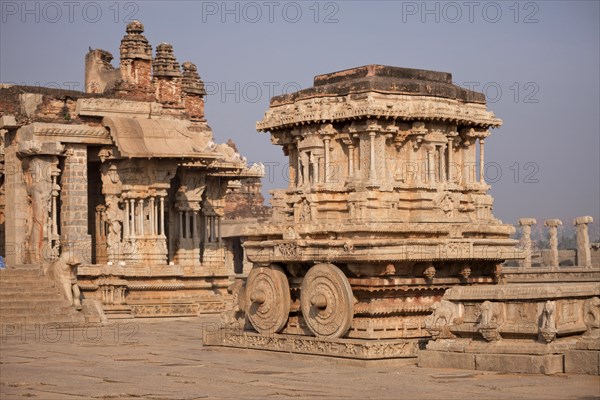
x=519 y=363
x=443 y=359
x=512 y=363
x=582 y=362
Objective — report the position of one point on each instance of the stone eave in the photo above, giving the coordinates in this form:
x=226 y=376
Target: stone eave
x=392 y=108
x=68 y=133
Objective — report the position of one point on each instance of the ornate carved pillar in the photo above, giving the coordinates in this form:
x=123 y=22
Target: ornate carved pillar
x=553 y=225
x=526 y=224
x=584 y=256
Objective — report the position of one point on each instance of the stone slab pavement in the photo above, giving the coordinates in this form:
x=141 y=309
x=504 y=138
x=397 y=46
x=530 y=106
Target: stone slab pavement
x=166 y=360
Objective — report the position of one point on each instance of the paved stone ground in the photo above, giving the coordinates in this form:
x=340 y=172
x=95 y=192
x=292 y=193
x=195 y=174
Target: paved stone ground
x=166 y=360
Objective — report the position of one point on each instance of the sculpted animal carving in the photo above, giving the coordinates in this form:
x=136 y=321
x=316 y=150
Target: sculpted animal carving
x=438 y=323
x=64 y=272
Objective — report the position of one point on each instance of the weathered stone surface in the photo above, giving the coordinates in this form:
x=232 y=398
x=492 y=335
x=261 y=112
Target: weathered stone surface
x=582 y=362
x=519 y=363
x=442 y=359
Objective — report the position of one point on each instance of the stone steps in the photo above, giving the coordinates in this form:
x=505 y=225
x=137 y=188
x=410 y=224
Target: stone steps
x=29 y=297
x=15 y=295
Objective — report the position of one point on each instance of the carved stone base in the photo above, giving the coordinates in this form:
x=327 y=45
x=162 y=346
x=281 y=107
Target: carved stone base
x=345 y=348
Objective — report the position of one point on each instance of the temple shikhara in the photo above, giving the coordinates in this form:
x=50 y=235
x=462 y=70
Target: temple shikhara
x=384 y=244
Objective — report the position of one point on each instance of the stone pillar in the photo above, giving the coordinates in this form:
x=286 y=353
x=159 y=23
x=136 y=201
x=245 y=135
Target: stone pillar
x=151 y=220
x=553 y=225
x=180 y=224
x=481 y=161
x=219 y=229
x=442 y=163
x=526 y=224
x=195 y=225
x=142 y=216
x=315 y=168
x=449 y=159
x=430 y=167
x=326 y=166
x=372 y=169
x=584 y=256
x=162 y=216
x=213 y=232
x=293 y=154
x=74 y=203
x=132 y=220
x=188 y=233
x=126 y=221
x=299 y=171
x=350 y=160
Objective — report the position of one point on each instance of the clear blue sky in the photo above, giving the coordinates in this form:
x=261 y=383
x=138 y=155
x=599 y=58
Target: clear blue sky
x=538 y=62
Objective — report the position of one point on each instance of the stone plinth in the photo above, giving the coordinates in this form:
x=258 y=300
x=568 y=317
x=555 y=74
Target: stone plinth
x=297 y=344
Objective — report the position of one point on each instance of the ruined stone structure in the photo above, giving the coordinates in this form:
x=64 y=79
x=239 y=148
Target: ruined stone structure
x=386 y=209
x=543 y=320
x=126 y=177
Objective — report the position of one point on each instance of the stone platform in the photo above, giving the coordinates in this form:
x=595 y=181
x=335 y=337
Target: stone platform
x=528 y=358
x=298 y=344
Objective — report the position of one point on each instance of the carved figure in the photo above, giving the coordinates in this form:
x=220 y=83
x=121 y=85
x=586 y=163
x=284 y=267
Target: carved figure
x=64 y=272
x=548 y=322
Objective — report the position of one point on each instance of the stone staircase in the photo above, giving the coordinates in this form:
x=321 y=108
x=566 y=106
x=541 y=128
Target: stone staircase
x=29 y=297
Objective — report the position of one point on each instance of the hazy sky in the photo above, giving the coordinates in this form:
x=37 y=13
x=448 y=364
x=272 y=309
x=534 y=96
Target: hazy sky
x=537 y=61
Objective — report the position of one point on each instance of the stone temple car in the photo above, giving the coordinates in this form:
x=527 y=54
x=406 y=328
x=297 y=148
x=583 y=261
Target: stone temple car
x=386 y=207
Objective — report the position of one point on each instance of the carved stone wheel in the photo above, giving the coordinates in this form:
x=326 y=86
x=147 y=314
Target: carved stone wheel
x=327 y=302
x=268 y=299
